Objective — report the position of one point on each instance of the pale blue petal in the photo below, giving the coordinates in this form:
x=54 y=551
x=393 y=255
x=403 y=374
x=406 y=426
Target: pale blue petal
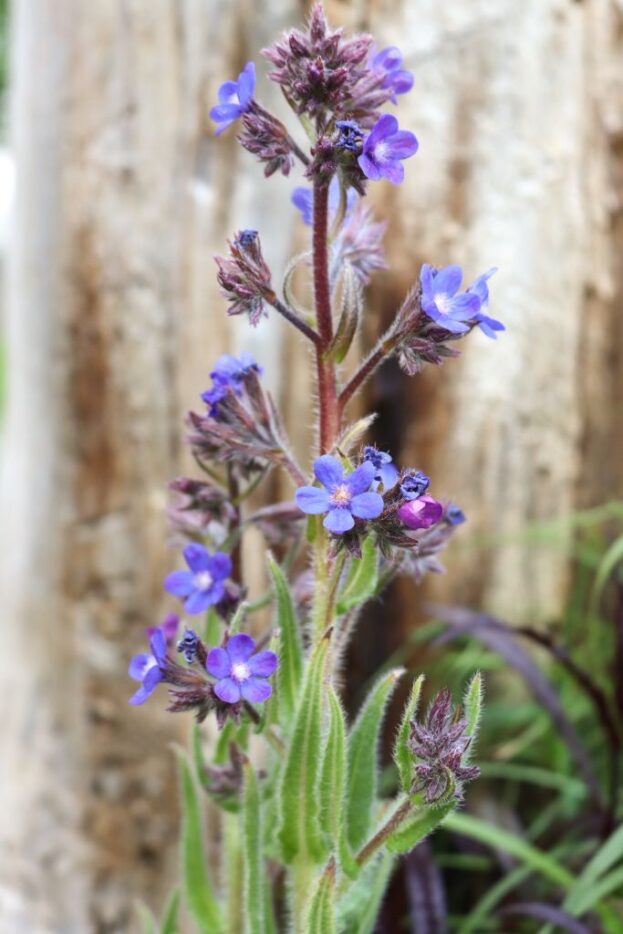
x=367 y=505
x=328 y=471
x=312 y=500
x=255 y=690
x=218 y=663
x=339 y=521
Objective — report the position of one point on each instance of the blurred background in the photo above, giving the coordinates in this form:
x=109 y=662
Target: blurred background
x=114 y=195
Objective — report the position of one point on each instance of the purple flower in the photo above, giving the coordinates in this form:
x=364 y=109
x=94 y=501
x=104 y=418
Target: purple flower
x=149 y=669
x=229 y=373
x=398 y=80
x=384 y=148
x=480 y=288
x=385 y=471
x=343 y=498
x=303 y=199
x=414 y=484
x=234 y=98
x=239 y=673
x=440 y=301
x=421 y=513
x=204 y=584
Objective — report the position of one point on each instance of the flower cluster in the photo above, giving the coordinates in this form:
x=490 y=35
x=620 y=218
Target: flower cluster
x=440 y=745
x=221 y=679
x=341 y=498
x=244 y=276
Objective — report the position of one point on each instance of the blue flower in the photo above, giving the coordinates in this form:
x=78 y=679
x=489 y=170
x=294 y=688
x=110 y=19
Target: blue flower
x=487 y=325
x=234 y=98
x=241 y=675
x=204 y=584
x=385 y=471
x=414 y=485
x=149 y=669
x=454 y=515
x=399 y=81
x=440 y=301
x=187 y=645
x=343 y=498
x=303 y=199
x=228 y=373
x=350 y=135
x=384 y=148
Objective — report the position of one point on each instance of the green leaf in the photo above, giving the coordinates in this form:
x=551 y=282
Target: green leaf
x=362 y=758
x=359 y=908
x=169 y=923
x=321 y=913
x=333 y=772
x=198 y=889
x=252 y=853
x=418 y=827
x=232 y=872
x=362 y=579
x=403 y=757
x=375 y=895
x=350 y=314
x=290 y=669
x=586 y=890
x=473 y=706
x=299 y=823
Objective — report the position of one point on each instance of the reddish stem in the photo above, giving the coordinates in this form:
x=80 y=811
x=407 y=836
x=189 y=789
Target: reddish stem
x=327 y=389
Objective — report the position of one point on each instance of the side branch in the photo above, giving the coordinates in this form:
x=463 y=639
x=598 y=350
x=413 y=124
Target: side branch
x=293 y=318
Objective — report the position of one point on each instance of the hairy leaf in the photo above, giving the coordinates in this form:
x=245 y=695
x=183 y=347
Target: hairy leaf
x=298 y=795
x=333 y=773
x=363 y=743
x=403 y=757
x=290 y=669
x=252 y=853
x=419 y=827
x=321 y=912
x=200 y=896
x=362 y=579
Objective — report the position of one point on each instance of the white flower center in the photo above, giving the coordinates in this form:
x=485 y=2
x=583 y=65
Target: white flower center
x=203 y=580
x=443 y=302
x=341 y=496
x=380 y=151
x=240 y=671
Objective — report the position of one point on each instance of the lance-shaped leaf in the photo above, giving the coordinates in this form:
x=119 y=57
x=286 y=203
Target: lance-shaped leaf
x=199 y=892
x=362 y=579
x=233 y=872
x=403 y=757
x=321 y=913
x=362 y=758
x=359 y=907
x=290 y=669
x=299 y=830
x=252 y=853
x=333 y=773
x=473 y=706
x=170 y=923
x=414 y=830
x=350 y=315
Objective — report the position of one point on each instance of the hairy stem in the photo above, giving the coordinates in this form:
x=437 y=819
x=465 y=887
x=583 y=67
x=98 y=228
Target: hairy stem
x=374 y=359
x=293 y=318
x=327 y=389
x=390 y=827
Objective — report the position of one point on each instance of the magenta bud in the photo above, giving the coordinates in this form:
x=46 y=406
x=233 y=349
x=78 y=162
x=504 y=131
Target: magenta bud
x=421 y=513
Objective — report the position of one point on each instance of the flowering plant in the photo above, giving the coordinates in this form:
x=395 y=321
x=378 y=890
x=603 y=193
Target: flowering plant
x=308 y=841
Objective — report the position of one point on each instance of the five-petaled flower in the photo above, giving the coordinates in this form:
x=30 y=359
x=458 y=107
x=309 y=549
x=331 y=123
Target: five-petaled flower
x=384 y=148
x=440 y=301
x=234 y=98
x=149 y=669
x=204 y=584
x=420 y=513
x=386 y=473
x=344 y=498
x=240 y=674
x=480 y=287
x=397 y=79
